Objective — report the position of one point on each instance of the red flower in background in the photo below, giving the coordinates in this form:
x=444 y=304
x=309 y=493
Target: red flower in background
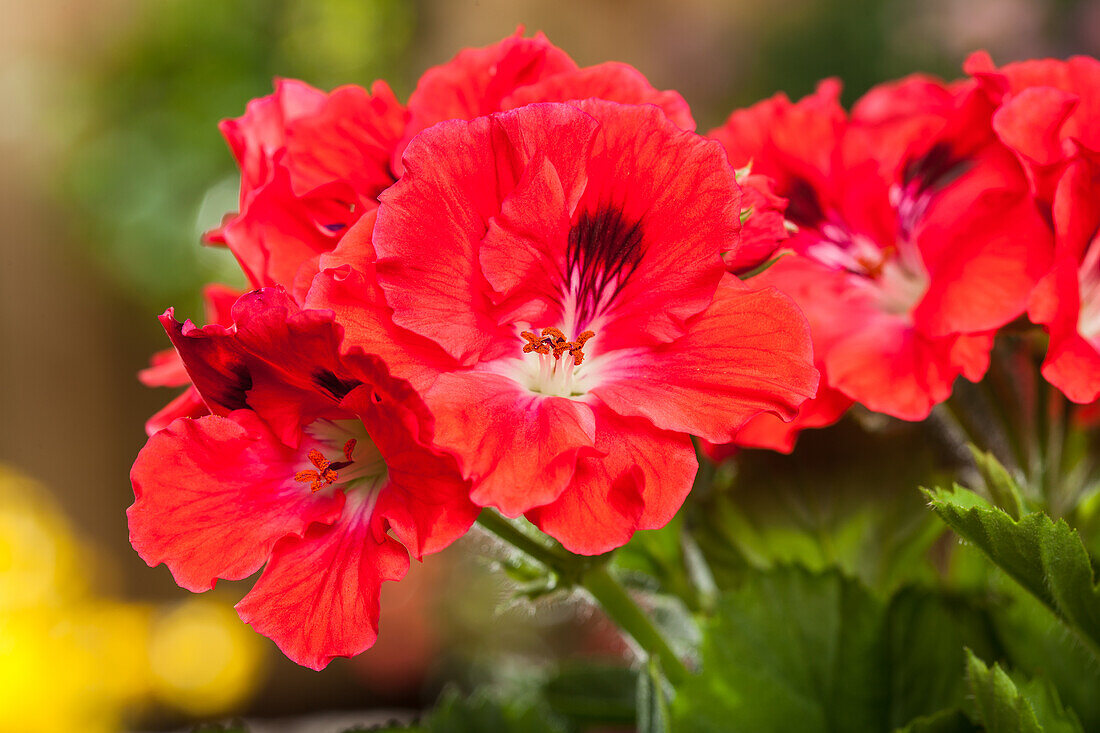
x=518 y=71
x=310 y=460
x=1047 y=114
x=916 y=239
x=551 y=279
x=311 y=164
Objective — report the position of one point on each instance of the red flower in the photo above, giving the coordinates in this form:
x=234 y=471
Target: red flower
x=1067 y=300
x=166 y=368
x=1046 y=113
x=311 y=164
x=559 y=296
x=310 y=459
x=916 y=239
x=519 y=71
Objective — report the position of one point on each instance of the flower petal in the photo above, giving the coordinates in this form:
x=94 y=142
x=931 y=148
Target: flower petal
x=640 y=483
x=213 y=495
x=748 y=353
x=318 y=598
x=519 y=448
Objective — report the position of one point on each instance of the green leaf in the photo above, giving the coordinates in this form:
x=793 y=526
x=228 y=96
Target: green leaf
x=593 y=695
x=653 y=715
x=926 y=634
x=481 y=711
x=236 y=726
x=1035 y=642
x=821 y=649
x=1045 y=557
x=1002 y=487
x=1001 y=705
x=952 y=720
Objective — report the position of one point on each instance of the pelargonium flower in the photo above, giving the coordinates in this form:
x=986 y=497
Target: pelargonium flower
x=311 y=164
x=916 y=238
x=518 y=71
x=1046 y=114
x=309 y=462
x=551 y=280
x=166 y=368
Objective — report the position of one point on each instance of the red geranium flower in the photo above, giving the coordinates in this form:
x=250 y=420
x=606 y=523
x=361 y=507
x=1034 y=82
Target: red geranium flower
x=310 y=460
x=518 y=71
x=558 y=294
x=311 y=164
x=1046 y=113
x=916 y=238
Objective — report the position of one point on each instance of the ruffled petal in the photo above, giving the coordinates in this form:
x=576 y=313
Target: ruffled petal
x=214 y=495
x=748 y=353
x=476 y=80
x=640 y=483
x=519 y=448
x=612 y=81
x=431 y=223
x=318 y=598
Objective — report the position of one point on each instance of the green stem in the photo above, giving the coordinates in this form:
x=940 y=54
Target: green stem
x=551 y=557
x=617 y=603
x=592 y=574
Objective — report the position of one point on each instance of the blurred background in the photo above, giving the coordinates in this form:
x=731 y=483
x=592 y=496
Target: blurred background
x=112 y=166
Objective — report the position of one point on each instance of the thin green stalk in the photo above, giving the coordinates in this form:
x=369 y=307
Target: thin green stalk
x=593 y=575
x=617 y=603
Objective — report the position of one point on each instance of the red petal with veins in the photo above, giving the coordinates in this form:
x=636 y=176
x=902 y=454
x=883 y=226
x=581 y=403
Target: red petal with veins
x=318 y=598
x=476 y=80
x=214 y=495
x=748 y=353
x=520 y=448
x=611 y=81
x=640 y=483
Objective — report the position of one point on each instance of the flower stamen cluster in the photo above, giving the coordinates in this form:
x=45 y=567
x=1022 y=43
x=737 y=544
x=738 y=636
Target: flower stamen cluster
x=326 y=470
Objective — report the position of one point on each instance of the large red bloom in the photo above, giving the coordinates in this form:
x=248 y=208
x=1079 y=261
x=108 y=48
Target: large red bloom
x=551 y=278
x=916 y=238
x=310 y=460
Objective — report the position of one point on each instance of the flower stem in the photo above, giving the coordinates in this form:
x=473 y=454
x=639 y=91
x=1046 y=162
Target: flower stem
x=621 y=608
x=592 y=574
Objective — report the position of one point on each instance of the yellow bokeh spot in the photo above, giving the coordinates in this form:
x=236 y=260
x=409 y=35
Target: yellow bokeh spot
x=74 y=660
x=204 y=659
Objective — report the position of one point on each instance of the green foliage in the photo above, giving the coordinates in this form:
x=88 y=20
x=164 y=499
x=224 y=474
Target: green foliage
x=592 y=694
x=1002 y=487
x=148 y=170
x=821 y=649
x=845 y=499
x=653 y=712
x=1044 y=556
x=455 y=713
x=1002 y=705
x=233 y=727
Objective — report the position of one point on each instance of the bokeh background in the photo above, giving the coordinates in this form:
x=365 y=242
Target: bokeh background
x=111 y=166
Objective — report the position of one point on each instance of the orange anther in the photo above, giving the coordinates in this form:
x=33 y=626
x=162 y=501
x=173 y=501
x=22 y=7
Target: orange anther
x=553 y=342
x=349 y=448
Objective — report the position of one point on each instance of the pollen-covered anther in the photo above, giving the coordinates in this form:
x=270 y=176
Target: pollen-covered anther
x=553 y=341
x=326 y=472
x=535 y=343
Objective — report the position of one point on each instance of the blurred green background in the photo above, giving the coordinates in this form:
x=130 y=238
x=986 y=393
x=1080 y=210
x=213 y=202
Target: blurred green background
x=113 y=166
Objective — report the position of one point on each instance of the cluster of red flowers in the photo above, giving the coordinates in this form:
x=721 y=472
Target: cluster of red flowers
x=521 y=290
